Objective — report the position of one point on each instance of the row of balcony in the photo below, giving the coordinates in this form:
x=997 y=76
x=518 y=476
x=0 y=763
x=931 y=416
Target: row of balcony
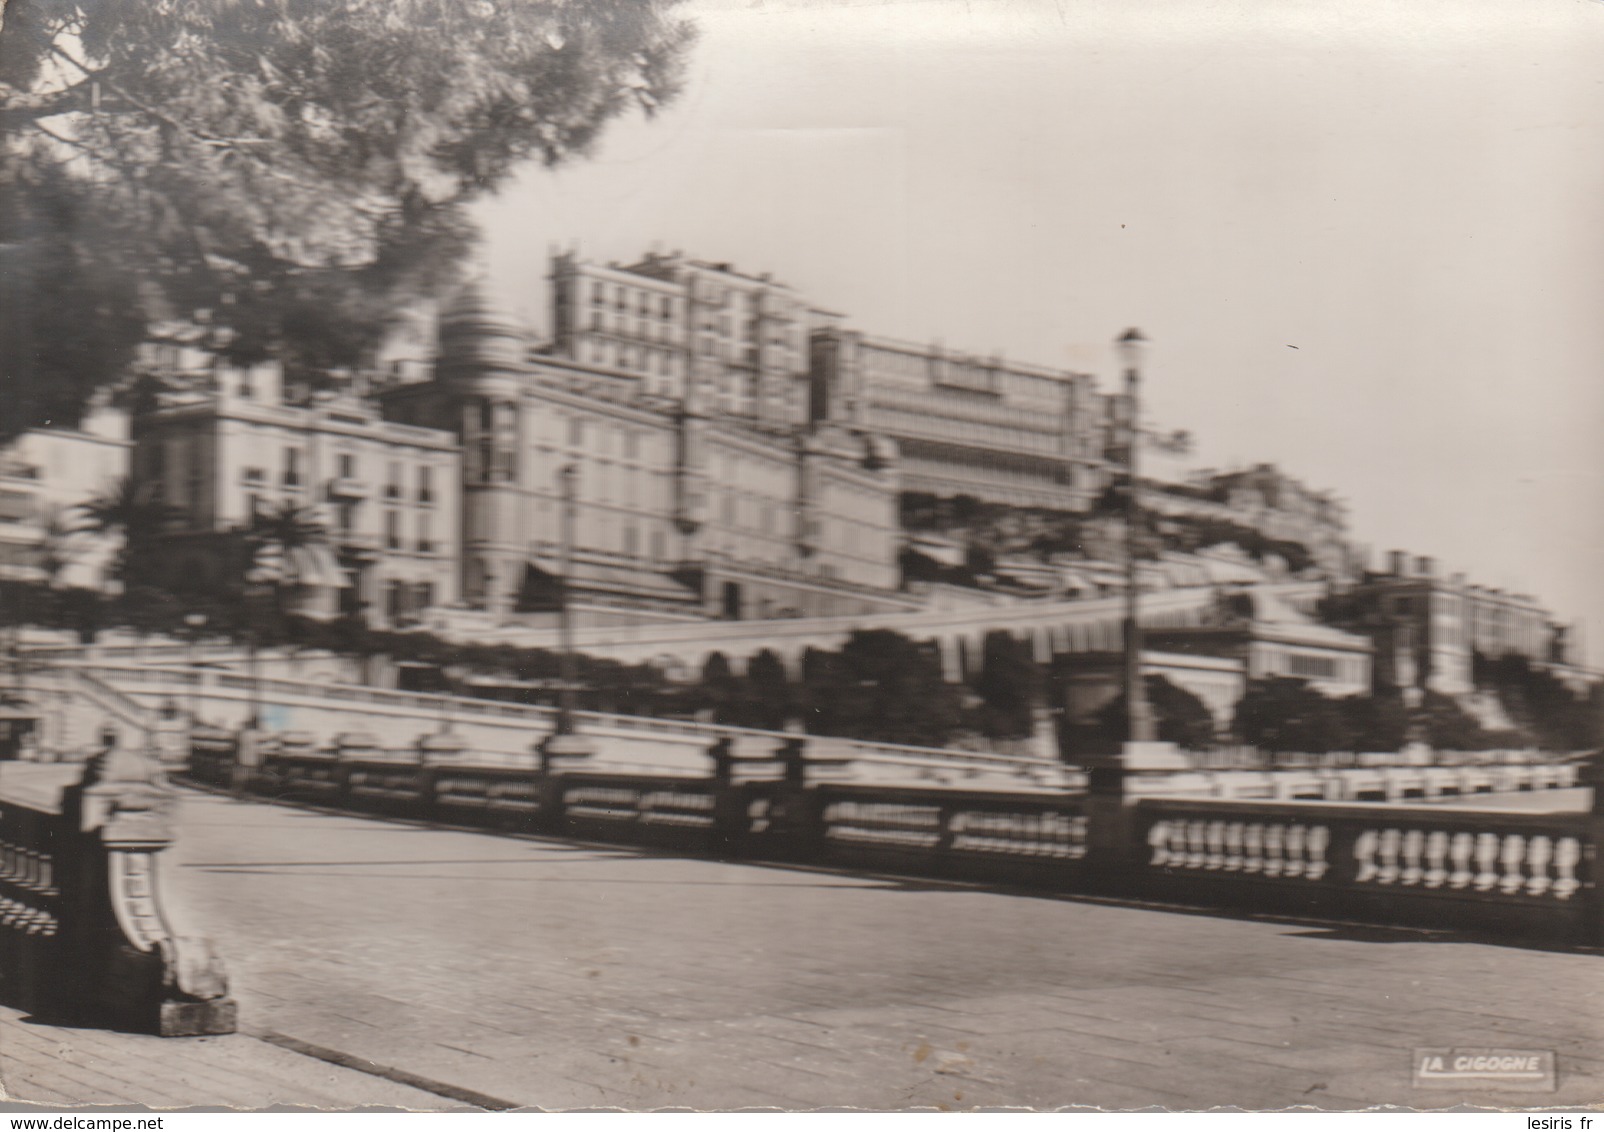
x=347 y=487
x=368 y=542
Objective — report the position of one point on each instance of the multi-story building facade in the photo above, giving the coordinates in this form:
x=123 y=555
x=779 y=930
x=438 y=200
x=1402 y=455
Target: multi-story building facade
x=678 y=509
x=1271 y=638
x=1000 y=431
x=1266 y=500
x=385 y=493
x=46 y=474
x=704 y=334
x=1429 y=628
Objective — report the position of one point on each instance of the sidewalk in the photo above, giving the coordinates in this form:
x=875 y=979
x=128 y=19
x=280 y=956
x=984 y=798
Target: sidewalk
x=64 y=1066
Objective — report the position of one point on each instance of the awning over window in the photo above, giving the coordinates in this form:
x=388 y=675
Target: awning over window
x=543 y=582
x=311 y=565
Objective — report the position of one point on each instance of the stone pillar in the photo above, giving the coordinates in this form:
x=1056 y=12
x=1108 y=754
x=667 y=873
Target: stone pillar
x=349 y=747
x=113 y=952
x=250 y=751
x=1114 y=852
x=729 y=801
x=796 y=822
x=1592 y=774
x=170 y=740
x=441 y=749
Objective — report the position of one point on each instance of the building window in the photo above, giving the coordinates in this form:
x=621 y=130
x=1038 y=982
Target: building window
x=425 y=485
x=347 y=466
x=425 y=536
x=425 y=595
x=392 y=486
x=292 y=467
x=576 y=431
x=1315 y=667
x=345 y=517
x=631 y=541
x=254 y=475
x=659 y=546
x=598 y=293
x=392 y=530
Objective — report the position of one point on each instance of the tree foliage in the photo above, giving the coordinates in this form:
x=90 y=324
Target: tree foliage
x=1180 y=718
x=770 y=699
x=125 y=513
x=880 y=686
x=1010 y=686
x=1286 y=714
x=1380 y=721
x=283 y=175
x=1541 y=704
x=721 y=689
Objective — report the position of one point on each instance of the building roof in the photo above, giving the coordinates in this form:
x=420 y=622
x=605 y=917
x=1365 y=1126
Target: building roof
x=1258 y=612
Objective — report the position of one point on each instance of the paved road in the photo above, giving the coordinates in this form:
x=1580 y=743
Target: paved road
x=567 y=976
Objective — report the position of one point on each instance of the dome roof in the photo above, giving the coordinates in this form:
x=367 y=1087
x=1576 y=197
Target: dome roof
x=472 y=306
x=474 y=330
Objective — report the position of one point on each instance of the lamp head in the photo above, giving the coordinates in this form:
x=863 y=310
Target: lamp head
x=1131 y=346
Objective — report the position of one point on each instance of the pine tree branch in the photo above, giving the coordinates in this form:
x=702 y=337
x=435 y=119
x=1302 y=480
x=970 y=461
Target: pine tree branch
x=146 y=108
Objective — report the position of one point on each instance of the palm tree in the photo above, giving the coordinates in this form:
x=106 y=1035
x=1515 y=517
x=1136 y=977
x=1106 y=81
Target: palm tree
x=272 y=567
x=60 y=545
x=275 y=543
x=124 y=510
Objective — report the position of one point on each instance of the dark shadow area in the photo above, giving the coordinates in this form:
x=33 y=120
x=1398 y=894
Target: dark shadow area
x=1366 y=933
x=254 y=865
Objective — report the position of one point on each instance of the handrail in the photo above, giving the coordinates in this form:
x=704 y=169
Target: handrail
x=1390 y=812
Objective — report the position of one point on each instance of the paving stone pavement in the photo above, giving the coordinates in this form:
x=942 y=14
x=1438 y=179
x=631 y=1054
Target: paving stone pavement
x=62 y=1066
x=568 y=976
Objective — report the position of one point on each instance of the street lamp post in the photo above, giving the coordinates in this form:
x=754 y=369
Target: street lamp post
x=1139 y=717
x=565 y=740
x=195 y=622
x=568 y=667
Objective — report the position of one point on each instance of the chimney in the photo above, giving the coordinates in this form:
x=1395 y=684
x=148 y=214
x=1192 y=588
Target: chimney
x=1426 y=567
x=1397 y=563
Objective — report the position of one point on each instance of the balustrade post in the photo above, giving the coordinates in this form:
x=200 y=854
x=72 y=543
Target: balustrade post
x=171 y=735
x=114 y=953
x=729 y=800
x=434 y=751
x=1116 y=846
x=796 y=814
x=550 y=787
x=349 y=746
x=1591 y=773
x=249 y=750
x=1342 y=863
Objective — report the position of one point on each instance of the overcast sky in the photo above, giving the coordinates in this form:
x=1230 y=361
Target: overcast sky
x=1366 y=238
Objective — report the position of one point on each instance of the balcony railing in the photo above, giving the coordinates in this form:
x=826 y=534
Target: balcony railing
x=349 y=487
